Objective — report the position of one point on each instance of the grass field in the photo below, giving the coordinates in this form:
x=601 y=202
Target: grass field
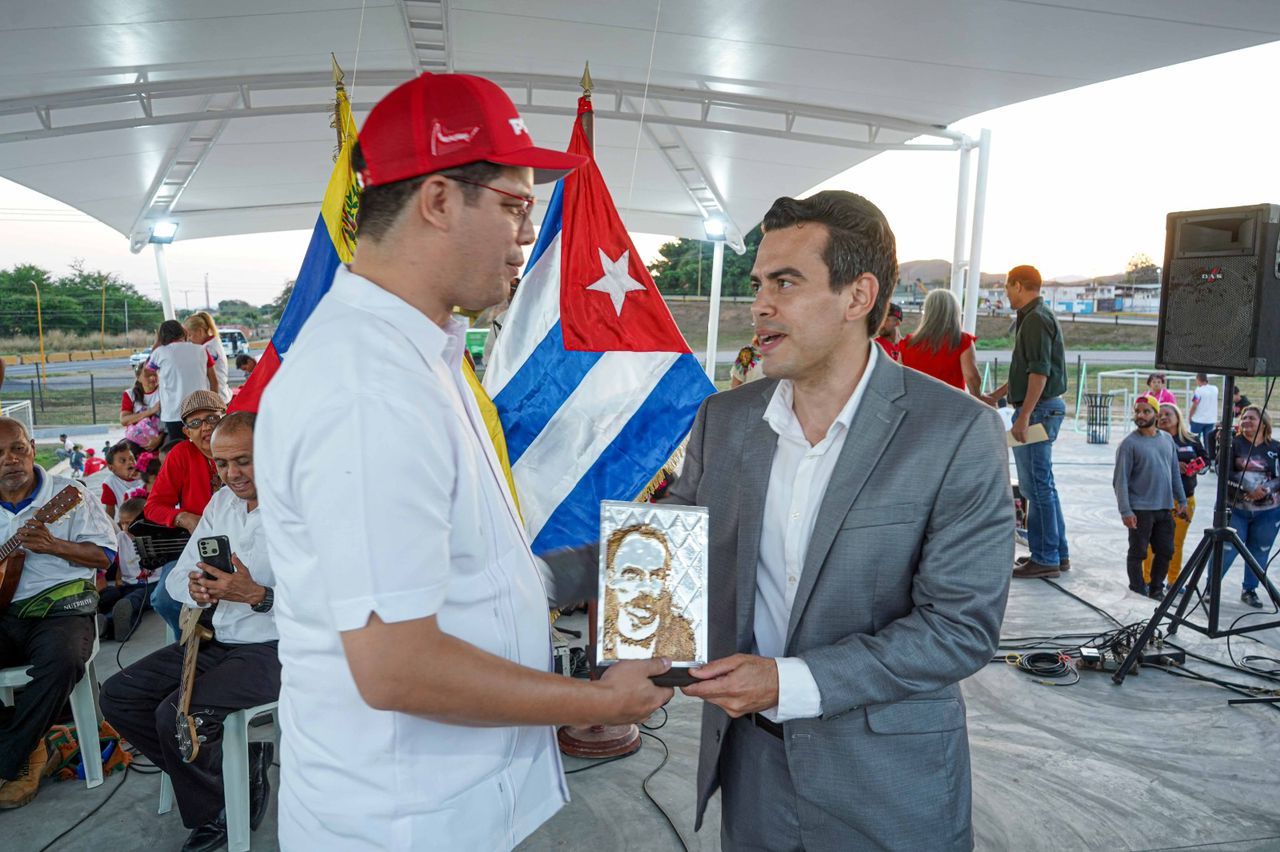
x=61 y=341
x=993 y=332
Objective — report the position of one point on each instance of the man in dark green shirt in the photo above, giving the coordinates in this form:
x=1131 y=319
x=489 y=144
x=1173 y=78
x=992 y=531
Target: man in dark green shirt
x=1037 y=380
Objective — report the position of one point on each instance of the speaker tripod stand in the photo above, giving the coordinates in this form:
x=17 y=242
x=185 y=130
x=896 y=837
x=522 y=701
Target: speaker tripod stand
x=1207 y=557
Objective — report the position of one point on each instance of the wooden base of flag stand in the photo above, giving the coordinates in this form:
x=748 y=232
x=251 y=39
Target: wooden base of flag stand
x=595 y=741
x=599 y=740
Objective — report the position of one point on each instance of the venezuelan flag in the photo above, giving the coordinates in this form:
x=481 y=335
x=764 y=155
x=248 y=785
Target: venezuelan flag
x=333 y=241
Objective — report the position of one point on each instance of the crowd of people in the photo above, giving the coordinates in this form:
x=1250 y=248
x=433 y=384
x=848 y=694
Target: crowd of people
x=393 y=605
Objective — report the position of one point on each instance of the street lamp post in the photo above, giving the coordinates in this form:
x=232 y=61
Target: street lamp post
x=102 y=334
x=40 y=331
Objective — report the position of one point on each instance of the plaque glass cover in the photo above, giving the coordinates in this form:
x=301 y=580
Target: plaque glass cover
x=653 y=582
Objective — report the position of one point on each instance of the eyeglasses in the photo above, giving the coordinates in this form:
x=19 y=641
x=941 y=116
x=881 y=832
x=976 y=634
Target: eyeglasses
x=527 y=201
x=197 y=422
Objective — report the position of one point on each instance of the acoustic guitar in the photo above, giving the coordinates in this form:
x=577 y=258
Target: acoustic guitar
x=187 y=726
x=13 y=556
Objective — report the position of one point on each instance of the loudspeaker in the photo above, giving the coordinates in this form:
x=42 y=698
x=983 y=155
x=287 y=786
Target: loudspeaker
x=1220 y=292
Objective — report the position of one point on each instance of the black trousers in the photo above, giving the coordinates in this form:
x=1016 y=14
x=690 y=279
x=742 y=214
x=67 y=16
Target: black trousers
x=173 y=430
x=1154 y=530
x=56 y=649
x=142 y=703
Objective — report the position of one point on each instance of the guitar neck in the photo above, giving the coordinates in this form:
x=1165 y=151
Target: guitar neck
x=61 y=503
x=9 y=548
x=188 y=680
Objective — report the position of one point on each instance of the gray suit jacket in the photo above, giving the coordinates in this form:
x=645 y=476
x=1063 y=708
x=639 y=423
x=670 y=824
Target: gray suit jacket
x=901 y=596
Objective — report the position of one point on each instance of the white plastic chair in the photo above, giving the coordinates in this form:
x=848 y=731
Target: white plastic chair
x=84 y=710
x=235 y=773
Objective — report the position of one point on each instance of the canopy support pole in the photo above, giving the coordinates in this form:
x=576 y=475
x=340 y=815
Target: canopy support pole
x=713 y=307
x=962 y=227
x=162 y=273
x=975 y=247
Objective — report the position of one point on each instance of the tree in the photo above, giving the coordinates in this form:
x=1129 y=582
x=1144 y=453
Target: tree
x=1141 y=269
x=275 y=309
x=72 y=303
x=683 y=263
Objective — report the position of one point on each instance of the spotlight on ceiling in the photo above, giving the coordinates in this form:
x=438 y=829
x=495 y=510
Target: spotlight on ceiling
x=714 y=228
x=164 y=231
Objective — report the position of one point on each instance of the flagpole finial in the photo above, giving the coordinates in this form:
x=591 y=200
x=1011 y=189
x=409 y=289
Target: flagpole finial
x=338 y=73
x=585 y=82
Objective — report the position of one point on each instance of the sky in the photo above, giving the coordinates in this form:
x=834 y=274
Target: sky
x=1079 y=182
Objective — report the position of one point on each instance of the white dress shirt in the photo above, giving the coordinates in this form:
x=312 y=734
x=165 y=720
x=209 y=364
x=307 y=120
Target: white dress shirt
x=382 y=495
x=797 y=484
x=233 y=623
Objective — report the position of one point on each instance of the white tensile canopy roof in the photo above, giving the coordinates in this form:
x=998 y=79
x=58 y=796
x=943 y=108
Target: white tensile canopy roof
x=215 y=115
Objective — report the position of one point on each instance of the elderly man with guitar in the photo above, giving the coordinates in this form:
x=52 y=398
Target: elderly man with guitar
x=171 y=704
x=52 y=541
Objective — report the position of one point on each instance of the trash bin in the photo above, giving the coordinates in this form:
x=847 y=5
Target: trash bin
x=1098 y=417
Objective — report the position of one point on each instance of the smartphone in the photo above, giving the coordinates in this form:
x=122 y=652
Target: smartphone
x=215 y=551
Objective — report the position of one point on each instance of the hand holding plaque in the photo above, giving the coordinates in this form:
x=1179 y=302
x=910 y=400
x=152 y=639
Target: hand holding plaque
x=653 y=569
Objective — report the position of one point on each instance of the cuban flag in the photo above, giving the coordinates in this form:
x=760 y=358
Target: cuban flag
x=594 y=384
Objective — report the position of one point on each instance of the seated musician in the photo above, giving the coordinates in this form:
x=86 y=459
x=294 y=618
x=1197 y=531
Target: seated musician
x=49 y=624
x=186 y=482
x=238 y=667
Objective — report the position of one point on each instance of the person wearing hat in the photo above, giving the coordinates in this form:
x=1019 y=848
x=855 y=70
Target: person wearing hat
x=185 y=485
x=890 y=335
x=1147 y=482
x=417 y=702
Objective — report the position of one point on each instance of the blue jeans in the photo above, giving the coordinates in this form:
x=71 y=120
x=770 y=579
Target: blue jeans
x=1258 y=532
x=165 y=606
x=1201 y=431
x=1046 y=531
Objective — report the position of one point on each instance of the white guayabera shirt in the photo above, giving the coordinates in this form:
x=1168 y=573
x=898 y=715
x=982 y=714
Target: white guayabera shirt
x=381 y=494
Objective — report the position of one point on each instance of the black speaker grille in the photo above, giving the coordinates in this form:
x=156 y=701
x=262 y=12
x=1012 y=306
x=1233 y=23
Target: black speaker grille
x=1209 y=312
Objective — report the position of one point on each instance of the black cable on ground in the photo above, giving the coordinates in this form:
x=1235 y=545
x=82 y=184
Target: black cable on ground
x=644 y=785
x=84 y=818
x=1046 y=665
x=1049 y=658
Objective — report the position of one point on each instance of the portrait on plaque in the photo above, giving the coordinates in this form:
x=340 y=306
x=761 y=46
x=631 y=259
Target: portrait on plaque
x=653 y=573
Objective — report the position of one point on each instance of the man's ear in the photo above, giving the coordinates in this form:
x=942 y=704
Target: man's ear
x=436 y=202
x=861 y=297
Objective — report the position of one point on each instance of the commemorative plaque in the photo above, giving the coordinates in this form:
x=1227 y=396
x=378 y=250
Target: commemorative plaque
x=653 y=586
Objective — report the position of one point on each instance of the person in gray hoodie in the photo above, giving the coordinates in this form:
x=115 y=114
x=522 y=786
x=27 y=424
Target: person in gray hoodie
x=1147 y=482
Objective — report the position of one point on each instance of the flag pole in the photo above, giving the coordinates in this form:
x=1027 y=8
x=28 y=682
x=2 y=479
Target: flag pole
x=598 y=741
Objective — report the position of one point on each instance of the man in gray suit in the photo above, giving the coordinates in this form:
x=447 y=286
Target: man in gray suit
x=861 y=532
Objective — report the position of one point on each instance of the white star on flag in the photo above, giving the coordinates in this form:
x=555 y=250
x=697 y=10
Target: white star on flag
x=617 y=281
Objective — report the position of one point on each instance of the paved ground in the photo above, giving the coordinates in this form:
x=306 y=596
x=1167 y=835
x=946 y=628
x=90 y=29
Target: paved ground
x=1157 y=763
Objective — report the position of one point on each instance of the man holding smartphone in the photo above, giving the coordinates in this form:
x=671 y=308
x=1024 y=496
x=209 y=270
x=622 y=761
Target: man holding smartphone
x=238 y=668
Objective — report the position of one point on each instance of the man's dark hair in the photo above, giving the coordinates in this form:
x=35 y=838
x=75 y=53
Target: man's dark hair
x=859 y=240
x=1204 y=377
x=63 y=436
x=235 y=422
x=1027 y=276
x=117 y=449
x=153 y=468
x=170 y=331
x=381 y=205
x=243 y=359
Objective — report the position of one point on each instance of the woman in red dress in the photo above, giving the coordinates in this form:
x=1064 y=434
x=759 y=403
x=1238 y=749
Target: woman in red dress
x=939 y=348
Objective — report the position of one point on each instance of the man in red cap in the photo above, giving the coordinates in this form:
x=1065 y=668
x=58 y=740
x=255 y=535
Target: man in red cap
x=417 y=703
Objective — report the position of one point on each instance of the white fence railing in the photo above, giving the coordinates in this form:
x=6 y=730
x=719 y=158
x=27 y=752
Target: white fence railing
x=21 y=411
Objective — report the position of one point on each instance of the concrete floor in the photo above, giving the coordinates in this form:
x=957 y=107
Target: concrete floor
x=1157 y=763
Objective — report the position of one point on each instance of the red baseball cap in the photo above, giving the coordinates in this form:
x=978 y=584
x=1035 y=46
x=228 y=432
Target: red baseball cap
x=438 y=121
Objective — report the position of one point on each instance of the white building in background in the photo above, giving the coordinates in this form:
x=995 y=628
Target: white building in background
x=1086 y=297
